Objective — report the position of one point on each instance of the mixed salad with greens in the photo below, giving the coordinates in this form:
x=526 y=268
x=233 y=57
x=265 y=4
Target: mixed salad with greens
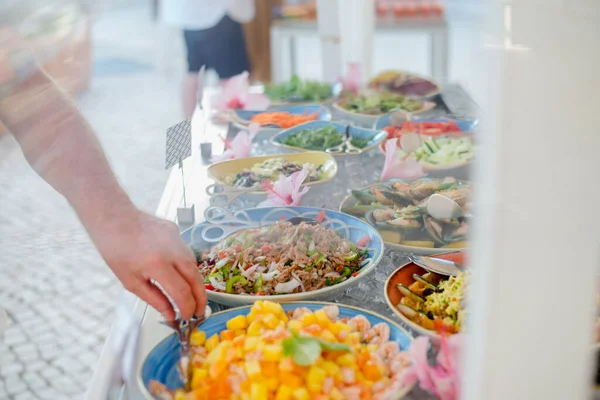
x=297 y=89
x=271 y=169
x=445 y=150
x=380 y=103
x=322 y=138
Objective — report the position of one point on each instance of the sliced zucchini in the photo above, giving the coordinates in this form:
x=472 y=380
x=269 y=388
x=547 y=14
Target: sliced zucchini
x=409 y=293
x=425 y=282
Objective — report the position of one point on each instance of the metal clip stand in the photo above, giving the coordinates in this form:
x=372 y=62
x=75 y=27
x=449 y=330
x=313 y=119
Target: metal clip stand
x=185 y=215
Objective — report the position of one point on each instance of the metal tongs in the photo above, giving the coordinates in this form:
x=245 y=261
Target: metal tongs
x=436 y=265
x=346 y=146
x=184 y=331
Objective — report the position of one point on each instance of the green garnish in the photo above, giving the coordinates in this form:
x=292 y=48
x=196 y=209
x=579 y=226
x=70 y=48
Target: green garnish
x=231 y=282
x=321 y=139
x=298 y=90
x=306 y=350
x=380 y=103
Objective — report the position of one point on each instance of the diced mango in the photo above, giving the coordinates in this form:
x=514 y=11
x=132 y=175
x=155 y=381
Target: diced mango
x=338 y=327
x=284 y=393
x=255 y=328
x=322 y=318
x=227 y=334
x=309 y=319
x=290 y=379
x=252 y=368
x=250 y=343
x=197 y=338
x=239 y=341
x=211 y=342
x=272 y=352
x=270 y=321
x=286 y=364
x=347 y=360
x=180 y=395
x=295 y=325
x=335 y=394
x=238 y=322
x=198 y=376
x=258 y=391
x=239 y=332
x=273 y=308
x=272 y=384
x=331 y=368
x=218 y=353
x=328 y=336
x=315 y=378
x=301 y=394
x=354 y=337
x=217 y=368
x=270 y=369
x=371 y=371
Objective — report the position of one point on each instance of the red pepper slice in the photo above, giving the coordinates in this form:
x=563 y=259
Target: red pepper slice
x=363 y=241
x=356 y=273
x=209 y=287
x=321 y=216
x=222 y=254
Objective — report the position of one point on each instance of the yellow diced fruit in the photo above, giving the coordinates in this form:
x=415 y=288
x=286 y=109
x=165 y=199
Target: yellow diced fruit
x=315 y=378
x=290 y=379
x=338 y=327
x=372 y=348
x=250 y=343
x=270 y=321
x=269 y=369
x=211 y=342
x=197 y=338
x=331 y=368
x=284 y=393
x=252 y=368
x=322 y=318
x=180 y=395
x=255 y=328
x=354 y=337
x=309 y=319
x=218 y=353
x=258 y=391
x=301 y=394
x=198 y=376
x=295 y=325
x=273 y=308
x=239 y=332
x=347 y=360
x=335 y=394
x=287 y=364
x=217 y=368
x=272 y=352
x=328 y=336
x=272 y=384
x=239 y=322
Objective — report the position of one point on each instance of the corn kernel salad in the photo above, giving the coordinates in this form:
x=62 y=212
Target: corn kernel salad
x=302 y=355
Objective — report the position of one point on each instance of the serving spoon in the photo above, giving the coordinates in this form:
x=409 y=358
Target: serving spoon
x=436 y=265
x=346 y=146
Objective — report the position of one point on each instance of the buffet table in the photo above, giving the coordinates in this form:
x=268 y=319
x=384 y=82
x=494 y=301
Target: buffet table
x=359 y=170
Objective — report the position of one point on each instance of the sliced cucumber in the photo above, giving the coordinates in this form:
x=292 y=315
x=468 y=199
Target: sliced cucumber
x=425 y=282
x=409 y=293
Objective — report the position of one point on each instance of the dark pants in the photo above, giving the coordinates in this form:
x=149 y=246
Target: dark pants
x=222 y=48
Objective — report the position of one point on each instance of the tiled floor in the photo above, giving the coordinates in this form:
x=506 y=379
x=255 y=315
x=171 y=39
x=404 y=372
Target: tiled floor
x=58 y=292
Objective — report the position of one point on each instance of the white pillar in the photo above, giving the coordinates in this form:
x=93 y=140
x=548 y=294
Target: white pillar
x=357 y=29
x=329 y=37
x=536 y=243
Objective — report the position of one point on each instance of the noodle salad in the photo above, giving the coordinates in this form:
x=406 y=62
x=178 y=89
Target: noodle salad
x=280 y=259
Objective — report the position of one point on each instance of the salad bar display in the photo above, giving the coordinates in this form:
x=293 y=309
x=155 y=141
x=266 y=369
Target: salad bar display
x=269 y=257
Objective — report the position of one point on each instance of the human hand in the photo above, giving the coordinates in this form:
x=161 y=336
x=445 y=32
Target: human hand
x=139 y=248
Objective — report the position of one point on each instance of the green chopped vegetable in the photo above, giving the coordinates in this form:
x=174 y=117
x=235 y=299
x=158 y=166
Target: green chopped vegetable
x=306 y=350
x=321 y=139
x=298 y=90
x=258 y=284
x=346 y=272
x=231 y=283
x=380 y=103
x=331 y=282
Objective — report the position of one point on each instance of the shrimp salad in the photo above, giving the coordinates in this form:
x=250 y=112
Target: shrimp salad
x=280 y=259
x=270 y=354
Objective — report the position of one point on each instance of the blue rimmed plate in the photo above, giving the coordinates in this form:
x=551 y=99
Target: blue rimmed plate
x=376 y=136
x=161 y=363
x=242 y=117
x=348 y=227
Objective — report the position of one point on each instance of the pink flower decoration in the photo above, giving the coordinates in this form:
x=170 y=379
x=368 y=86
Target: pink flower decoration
x=286 y=191
x=240 y=146
x=352 y=81
x=235 y=95
x=398 y=166
x=443 y=379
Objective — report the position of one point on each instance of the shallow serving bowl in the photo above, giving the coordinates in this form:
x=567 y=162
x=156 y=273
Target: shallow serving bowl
x=377 y=136
x=161 y=362
x=221 y=170
x=369 y=119
x=356 y=229
x=404 y=275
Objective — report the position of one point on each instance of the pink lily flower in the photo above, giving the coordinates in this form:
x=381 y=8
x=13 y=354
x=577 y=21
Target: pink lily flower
x=235 y=94
x=398 y=165
x=286 y=191
x=352 y=81
x=240 y=146
x=443 y=379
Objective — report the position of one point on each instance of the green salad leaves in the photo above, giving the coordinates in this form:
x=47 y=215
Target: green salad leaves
x=306 y=350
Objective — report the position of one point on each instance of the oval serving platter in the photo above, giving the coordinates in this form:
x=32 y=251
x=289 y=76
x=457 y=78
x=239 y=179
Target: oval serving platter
x=161 y=362
x=221 y=170
x=242 y=118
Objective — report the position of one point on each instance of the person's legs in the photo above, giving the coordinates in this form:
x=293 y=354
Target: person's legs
x=195 y=59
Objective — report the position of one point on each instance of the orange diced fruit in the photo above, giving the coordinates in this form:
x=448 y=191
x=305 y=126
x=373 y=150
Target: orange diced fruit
x=227 y=334
x=258 y=391
x=252 y=367
x=197 y=338
x=284 y=393
x=301 y=394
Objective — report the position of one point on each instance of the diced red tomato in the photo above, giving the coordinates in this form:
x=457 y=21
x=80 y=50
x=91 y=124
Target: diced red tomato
x=222 y=254
x=209 y=287
x=321 y=216
x=282 y=218
x=238 y=248
x=266 y=248
x=356 y=273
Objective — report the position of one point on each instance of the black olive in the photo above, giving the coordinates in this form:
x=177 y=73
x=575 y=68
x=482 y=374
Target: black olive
x=427 y=292
x=430 y=315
